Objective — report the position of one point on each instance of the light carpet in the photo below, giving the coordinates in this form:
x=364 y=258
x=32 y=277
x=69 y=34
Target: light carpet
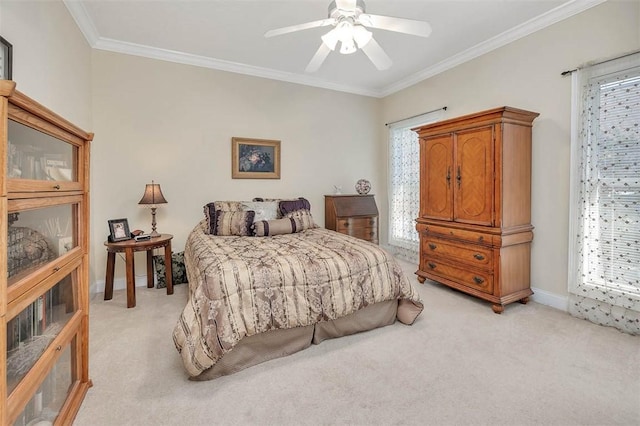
x=459 y=364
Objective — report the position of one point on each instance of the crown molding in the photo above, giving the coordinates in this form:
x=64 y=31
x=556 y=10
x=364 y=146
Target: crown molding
x=83 y=21
x=88 y=29
x=221 y=65
x=538 y=23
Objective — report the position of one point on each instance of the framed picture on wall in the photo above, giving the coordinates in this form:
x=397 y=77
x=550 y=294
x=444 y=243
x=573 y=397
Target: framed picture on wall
x=119 y=230
x=255 y=158
x=6 y=52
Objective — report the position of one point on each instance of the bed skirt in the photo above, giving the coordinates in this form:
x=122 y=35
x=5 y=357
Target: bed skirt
x=256 y=349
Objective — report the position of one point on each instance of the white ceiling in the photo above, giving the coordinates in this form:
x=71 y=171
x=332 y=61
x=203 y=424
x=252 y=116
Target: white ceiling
x=229 y=35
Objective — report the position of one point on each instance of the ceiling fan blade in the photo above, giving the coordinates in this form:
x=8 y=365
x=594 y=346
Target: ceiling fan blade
x=300 y=27
x=346 y=4
x=400 y=25
x=378 y=56
x=317 y=60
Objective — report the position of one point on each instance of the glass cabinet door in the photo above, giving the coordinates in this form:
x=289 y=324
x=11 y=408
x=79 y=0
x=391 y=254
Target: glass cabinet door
x=45 y=405
x=33 y=155
x=30 y=332
x=38 y=236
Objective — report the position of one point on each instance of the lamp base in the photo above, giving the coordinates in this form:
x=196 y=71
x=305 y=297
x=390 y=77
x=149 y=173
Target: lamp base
x=154 y=233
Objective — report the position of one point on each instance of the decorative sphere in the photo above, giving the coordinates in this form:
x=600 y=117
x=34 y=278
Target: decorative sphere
x=363 y=186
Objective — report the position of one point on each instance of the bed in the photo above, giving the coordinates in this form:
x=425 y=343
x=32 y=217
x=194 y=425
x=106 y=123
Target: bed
x=255 y=298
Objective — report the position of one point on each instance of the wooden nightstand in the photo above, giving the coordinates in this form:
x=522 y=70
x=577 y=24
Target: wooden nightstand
x=129 y=247
x=355 y=215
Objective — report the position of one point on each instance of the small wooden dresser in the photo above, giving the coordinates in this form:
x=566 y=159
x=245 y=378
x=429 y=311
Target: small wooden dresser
x=355 y=215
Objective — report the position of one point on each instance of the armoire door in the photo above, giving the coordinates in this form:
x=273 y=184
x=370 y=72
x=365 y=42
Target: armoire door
x=474 y=174
x=436 y=180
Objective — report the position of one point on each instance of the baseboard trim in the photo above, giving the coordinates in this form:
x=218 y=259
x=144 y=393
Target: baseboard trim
x=550 y=299
x=539 y=296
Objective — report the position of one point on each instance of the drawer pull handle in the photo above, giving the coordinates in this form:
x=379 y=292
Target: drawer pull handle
x=56 y=269
x=478 y=280
x=478 y=256
x=432 y=265
x=448 y=176
x=56 y=186
x=58 y=348
x=432 y=246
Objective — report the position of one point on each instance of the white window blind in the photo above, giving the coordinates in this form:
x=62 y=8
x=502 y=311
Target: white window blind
x=605 y=239
x=404 y=184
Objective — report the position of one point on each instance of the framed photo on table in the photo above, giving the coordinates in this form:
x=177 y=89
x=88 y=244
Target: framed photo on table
x=6 y=57
x=119 y=230
x=255 y=158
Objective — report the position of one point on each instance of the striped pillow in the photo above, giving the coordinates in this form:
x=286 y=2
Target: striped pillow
x=233 y=223
x=229 y=206
x=226 y=223
x=303 y=219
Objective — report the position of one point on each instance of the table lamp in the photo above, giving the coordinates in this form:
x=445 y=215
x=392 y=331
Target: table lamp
x=152 y=196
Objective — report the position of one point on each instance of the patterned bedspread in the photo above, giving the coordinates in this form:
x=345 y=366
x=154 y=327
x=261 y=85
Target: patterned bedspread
x=241 y=286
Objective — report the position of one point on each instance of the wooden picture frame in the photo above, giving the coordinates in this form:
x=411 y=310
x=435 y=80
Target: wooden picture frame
x=255 y=158
x=6 y=59
x=119 y=230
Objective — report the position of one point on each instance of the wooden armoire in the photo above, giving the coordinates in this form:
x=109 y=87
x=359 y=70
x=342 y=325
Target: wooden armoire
x=475 y=204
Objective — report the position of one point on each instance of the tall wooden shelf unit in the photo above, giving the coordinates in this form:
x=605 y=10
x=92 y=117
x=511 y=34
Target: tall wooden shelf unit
x=475 y=204
x=44 y=262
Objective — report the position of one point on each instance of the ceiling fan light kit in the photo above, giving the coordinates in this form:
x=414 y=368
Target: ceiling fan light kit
x=350 y=24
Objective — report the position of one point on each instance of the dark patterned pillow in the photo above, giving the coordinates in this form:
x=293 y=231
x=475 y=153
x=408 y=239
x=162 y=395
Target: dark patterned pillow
x=290 y=206
x=233 y=223
x=178 y=270
x=210 y=215
x=266 y=228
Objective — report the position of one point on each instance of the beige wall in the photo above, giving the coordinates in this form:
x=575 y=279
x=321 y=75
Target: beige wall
x=51 y=58
x=174 y=123
x=526 y=74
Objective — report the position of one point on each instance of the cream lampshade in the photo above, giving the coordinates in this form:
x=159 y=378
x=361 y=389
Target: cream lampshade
x=152 y=196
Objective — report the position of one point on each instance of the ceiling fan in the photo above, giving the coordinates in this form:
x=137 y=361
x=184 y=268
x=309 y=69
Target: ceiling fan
x=350 y=23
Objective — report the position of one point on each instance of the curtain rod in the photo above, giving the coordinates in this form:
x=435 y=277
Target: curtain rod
x=563 y=73
x=414 y=116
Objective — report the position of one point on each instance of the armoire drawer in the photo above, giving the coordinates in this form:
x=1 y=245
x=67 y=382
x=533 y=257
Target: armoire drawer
x=471 y=254
x=458 y=234
x=481 y=281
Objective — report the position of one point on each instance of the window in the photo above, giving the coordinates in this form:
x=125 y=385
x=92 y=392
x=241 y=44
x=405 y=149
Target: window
x=605 y=235
x=404 y=185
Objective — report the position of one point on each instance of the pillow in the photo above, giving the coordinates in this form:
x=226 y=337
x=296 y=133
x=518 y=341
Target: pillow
x=229 y=206
x=233 y=223
x=211 y=209
x=178 y=270
x=265 y=210
x=290 y=206
x=210 y=216
x=303 y=219
x=266 y=228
